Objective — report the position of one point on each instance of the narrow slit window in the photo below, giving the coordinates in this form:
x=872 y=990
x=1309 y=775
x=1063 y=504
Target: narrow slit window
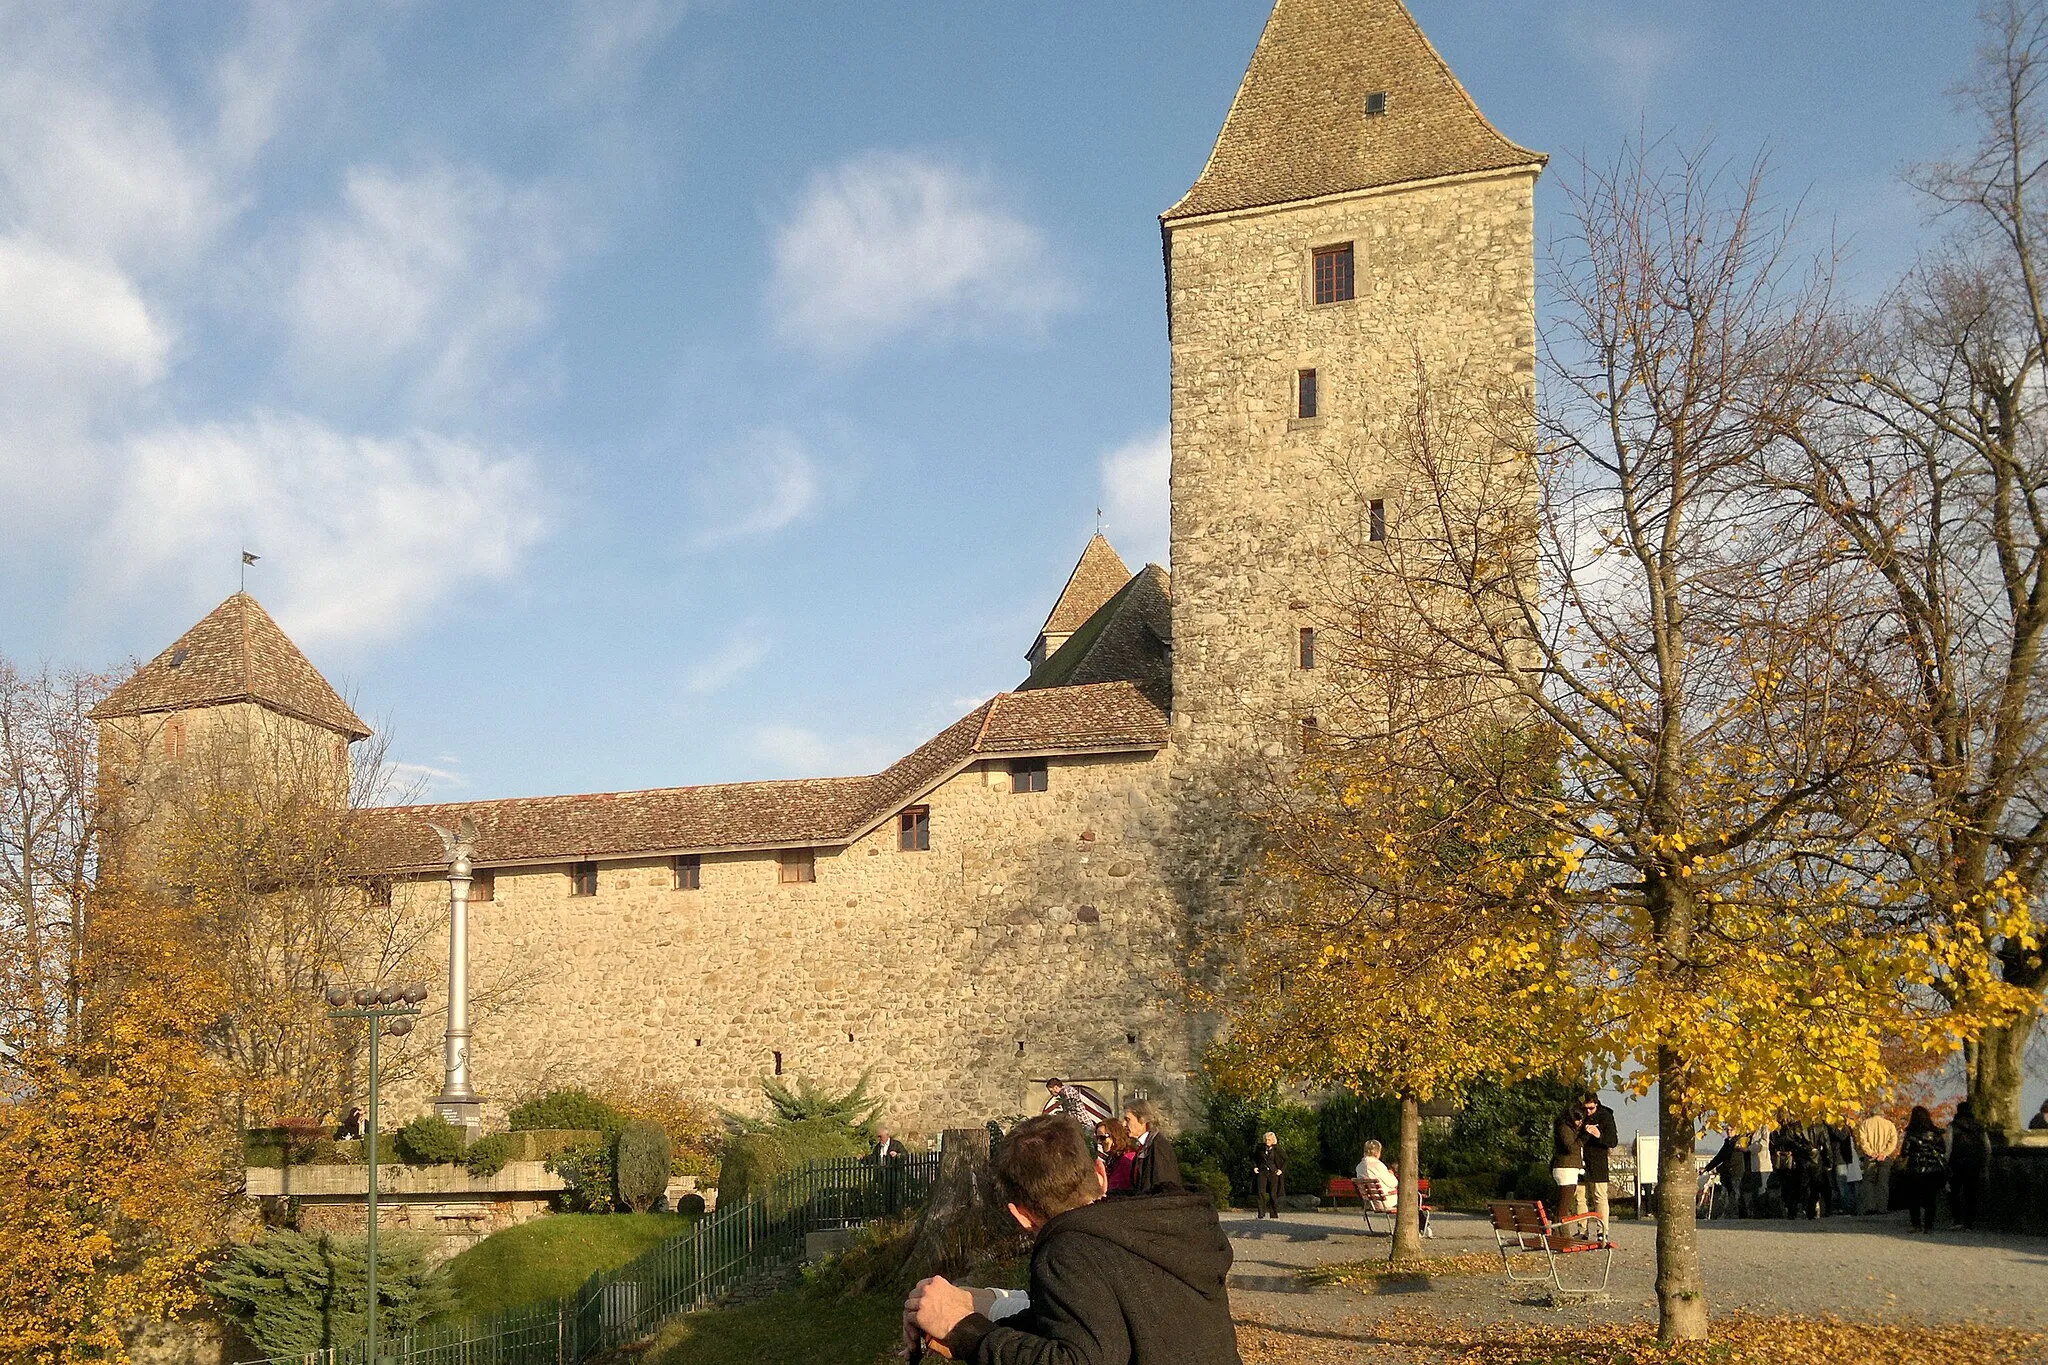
x=483 y=886
x=778 y=1063
x=1305 y=393
x=174 y=740
x=689 y=872
x=1376 y=518
x=797 y=865
x=1333 y=276
x=1028 y=775
x=1306 y=647
x=914 y=830
x=380 y=891
x=583 y=879
x=1311 y=733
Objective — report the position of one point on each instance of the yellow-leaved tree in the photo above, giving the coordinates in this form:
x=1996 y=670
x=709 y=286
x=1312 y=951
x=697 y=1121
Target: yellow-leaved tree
x=116 y=1141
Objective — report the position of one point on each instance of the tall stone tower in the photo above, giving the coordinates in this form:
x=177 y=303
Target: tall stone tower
x=1358 y=214
x=232 y=701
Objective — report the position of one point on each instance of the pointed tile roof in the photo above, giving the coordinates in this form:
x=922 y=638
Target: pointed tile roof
x=1098 y=576
x=1298 y=127
x=237 y=653
x=1128 y=639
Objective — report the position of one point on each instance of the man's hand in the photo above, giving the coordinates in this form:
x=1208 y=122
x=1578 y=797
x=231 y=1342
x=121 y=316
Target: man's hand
x=935 y=1308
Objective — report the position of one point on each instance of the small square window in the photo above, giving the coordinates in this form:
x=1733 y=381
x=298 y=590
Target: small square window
x=797 y=865
x=1306 y=647
x=1304 y=393
x=1027 y=774
x=1311 y=733
x=583 y=879
x=1376 y=102
x=1376 y=518
x=914 y=830
x=1333 y=282
x=483 y=886
x=380 y=891
x=689 y=872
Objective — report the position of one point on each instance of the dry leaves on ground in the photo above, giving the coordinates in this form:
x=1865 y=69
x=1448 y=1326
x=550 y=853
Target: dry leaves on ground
x=1369 y=1272
x=1426 y=1340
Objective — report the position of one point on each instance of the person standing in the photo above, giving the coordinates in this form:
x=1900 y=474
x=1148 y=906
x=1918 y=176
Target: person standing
x=1877 y=1142
x=1076 y=1101
x=1731 y=1165
x=1848 y=1170
x=1568 y=1160
x=1969 y=1153
x=1757 y=1179
x=1269 y=1170
x=1923 y=1163
x=1156 y=1167
x=1598 y=1135
x=1119 y=1157
x=2040 y=1119
x=351 y=1129
x=890 y=1160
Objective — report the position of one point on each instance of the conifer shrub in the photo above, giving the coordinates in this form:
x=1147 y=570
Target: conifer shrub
x=641 y=1164
x=567 y=1108
x=487 y=1156
x=294 y=1293
x=430 y=1140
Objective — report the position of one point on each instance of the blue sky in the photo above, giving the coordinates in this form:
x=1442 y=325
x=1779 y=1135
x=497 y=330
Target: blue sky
x=655 y=392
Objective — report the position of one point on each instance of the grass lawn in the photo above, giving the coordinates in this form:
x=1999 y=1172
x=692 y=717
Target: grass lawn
x=550 y=1256
x=792 y=1328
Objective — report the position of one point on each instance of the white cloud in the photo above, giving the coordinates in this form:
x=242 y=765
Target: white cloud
x=427 y=278
x=798 y=752
x=742 y=652
x=362 y=535
x=1625 y=54
x=1136 y=513
x=888 y=243
x=611 y=40
x=411 y=783
x=65 y=321
x=763 y=483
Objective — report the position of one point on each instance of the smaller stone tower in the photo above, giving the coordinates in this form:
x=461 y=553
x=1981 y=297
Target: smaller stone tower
x=1099 y=576
x=231 y=701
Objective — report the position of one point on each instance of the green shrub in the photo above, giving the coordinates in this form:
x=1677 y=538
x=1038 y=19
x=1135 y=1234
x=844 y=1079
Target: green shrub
x=430 y=1140
x=587 y=1178
x=295 y=1292
x=801 y=1102
x=570 y=1108
x=488 y=1155
x=1203 y=1176
x=640 y=1164
x=753 y=1160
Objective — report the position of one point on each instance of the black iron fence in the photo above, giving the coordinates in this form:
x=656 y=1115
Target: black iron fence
x=691 y=1270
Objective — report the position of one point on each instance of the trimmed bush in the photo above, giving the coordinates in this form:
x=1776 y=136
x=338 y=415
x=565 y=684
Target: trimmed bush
x=753 y=1160
x=587 y=1178
x=571 y=1108
x=294 y=1293
x=488 y=1155
x=430 y=1140
x=641 y=1164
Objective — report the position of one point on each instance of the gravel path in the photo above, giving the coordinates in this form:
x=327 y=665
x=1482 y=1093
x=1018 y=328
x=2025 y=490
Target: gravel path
x=1868 y=1269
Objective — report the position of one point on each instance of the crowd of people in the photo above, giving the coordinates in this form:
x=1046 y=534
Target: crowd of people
x=1816 y=1170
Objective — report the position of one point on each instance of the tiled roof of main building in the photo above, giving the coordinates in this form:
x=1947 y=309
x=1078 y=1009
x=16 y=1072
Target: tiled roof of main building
x=1298 y=128
x=1108 y=716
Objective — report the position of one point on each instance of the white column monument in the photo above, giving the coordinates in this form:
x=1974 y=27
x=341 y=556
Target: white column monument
x=458 y=1103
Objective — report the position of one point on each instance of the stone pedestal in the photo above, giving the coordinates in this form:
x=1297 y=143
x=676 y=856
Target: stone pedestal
x=466 y=1114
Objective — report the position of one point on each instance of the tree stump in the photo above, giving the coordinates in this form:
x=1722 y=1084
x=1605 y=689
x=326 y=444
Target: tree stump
x=965 y=1222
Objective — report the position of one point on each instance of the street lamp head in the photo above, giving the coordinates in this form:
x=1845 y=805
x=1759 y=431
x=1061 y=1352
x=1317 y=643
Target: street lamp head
x=415 y=993
x=399 y=1027
x=337 y=996
x=388 y=996
x=366 y=996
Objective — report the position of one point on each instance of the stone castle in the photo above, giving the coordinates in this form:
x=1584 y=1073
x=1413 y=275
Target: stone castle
x=1026 y=894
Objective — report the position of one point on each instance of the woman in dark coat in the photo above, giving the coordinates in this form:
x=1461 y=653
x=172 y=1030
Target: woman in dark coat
x=1969 y=1152
x=1923 y=1163
x=1269 y=1173
x=1792 y=1157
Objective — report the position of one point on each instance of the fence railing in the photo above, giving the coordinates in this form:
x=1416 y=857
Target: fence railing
x=688 y=1271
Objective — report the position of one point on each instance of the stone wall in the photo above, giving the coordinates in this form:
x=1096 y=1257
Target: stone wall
x=1445 y=276
x=1036 y=937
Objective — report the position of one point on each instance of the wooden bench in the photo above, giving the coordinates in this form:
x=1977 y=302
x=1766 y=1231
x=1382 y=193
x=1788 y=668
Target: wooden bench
x=1373 y=1200
x=1523 y=1225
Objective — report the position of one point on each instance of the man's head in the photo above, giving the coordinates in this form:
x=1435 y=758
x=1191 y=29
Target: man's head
x=1044 y=1168
x=1589 y=1102
x=1140 y=1117
x=1054 y=1085
x=881 y=1137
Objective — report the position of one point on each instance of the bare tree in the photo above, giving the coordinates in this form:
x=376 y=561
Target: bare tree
x=1930 y=466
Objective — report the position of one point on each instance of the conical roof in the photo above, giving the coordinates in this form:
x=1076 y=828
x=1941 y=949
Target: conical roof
x=1099 y=576
x=1299 y=129
x=237 y=653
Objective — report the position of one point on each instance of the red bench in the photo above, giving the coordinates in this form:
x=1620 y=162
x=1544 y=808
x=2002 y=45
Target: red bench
x=1522 y=1225
x=1372 y=1199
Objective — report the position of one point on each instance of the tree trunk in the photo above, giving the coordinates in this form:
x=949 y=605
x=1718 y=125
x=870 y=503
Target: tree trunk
x=1408 y=1208
x=1997 y=1072
x=1681 y=1289
x=965 y=1221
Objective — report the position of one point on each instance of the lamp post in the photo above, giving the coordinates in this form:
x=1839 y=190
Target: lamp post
x=389 y=1009
x=458 y=1102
